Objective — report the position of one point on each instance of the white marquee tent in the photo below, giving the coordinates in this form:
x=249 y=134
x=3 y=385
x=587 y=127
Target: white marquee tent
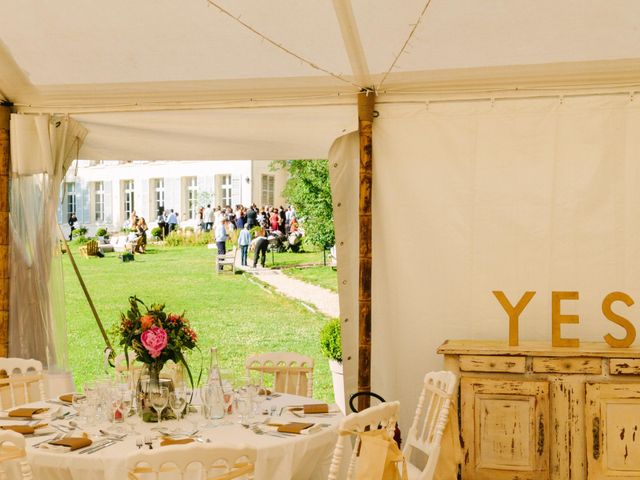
x=506 y=150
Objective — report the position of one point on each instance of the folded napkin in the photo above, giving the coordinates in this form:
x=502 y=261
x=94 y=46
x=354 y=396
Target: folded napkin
x=24 y=429
x=175 y=441
x=295 y=427
x=66 y=398
x=27 y=412
x=315 y=408
x=70 y=443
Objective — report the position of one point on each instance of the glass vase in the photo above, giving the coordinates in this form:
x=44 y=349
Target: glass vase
x=151 y=378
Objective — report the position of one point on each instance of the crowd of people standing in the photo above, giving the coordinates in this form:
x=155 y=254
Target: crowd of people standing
x=268 y=220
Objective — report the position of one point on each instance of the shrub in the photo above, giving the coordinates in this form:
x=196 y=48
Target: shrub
x=79 y=232
x=156 y=232
x=101 y=232
x=81 y=240
x=188 y=238
x=330 y=340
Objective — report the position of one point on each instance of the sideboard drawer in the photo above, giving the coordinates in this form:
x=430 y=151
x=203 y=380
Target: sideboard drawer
x=492 y=363
x=591 y=366
x=624 y=366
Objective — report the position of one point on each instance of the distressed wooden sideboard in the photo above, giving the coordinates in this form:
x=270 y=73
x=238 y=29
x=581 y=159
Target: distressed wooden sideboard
x=536 y=412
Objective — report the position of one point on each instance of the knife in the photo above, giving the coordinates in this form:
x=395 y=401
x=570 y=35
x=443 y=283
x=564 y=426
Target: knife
x=97 y=444
x=108 y=444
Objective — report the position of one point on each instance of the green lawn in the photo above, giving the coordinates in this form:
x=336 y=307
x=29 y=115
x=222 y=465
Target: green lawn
x=228 y=311
x=310 y=255
x=322 y=276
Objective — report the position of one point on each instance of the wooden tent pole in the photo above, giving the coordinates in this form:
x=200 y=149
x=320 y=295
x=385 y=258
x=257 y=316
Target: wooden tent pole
x=86 y=292
x=5 y=161
x=366 y=102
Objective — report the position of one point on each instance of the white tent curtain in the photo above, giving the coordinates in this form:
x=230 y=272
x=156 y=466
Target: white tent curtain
x=474 y=196
x=42 y=148
x=344 y=176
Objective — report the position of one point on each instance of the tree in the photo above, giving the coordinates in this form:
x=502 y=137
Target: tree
x=309 y=191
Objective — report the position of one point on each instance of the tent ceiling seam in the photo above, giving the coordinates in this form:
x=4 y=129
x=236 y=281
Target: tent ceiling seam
x=282 y=47
x=489 y=97
x=352 y=40
x=75 y=109
x=275 y=102
x=406 y=43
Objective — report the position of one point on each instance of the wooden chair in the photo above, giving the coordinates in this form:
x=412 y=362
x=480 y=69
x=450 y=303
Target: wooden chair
x=383 y=416
x=90 y=249
x=227 y=260
x=292 y=372
x=214 y=462
x=21 y=381
x=429 y=422
x=12 y=449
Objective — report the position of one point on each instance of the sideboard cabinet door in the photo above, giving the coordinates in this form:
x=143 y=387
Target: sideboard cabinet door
x=613 y=436
x=505 y=429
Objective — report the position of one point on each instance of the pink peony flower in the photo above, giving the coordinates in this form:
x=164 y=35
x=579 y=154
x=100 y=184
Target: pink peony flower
x=146 y=322
x=154 y=340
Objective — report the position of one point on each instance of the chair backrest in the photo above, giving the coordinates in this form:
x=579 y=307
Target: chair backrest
x=21 y=381
x=430 y=420
x=92 y=247
x=383 y=416
x=293 y=372
x=214 y=462
x=12 y=448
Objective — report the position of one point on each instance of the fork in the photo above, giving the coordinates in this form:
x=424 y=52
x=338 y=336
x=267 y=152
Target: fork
x=258 y=431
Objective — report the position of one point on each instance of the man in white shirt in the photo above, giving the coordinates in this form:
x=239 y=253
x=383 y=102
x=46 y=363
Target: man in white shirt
x=221 y=236
x=208 y=218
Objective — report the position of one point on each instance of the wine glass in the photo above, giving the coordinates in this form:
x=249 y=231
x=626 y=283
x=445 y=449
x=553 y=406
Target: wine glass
x=177 y=402
x=159 y=397
x=129 y=409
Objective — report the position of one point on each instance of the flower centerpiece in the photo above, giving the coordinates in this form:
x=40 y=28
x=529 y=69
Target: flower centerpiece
x=156 y=337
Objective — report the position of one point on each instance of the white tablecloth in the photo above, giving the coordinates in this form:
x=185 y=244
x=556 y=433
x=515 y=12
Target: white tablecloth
x=293 y=457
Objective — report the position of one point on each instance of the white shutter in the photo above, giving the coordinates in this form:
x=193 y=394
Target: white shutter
x=108 y=203
x=143 y=201
x=236 y=190
x=82 y=197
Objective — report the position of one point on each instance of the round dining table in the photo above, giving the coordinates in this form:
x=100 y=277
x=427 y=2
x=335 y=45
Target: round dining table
x=279 y=456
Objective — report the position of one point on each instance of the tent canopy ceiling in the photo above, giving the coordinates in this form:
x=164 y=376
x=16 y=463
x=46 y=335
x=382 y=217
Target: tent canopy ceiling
x=74 y=57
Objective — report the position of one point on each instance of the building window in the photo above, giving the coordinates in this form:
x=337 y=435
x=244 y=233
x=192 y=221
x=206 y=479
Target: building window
x=158 y=188
x=225 y=190
x=268 y=183
x=98 y=201
x=128 y=198
x=70 y=194
x=192 y=197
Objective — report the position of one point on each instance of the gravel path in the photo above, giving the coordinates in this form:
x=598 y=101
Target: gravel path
x=319 y=298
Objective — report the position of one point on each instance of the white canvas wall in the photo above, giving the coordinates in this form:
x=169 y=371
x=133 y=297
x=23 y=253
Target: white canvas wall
x=514 y=195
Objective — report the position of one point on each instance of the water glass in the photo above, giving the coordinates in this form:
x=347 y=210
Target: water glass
x=243 y=404
x=80 y=402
